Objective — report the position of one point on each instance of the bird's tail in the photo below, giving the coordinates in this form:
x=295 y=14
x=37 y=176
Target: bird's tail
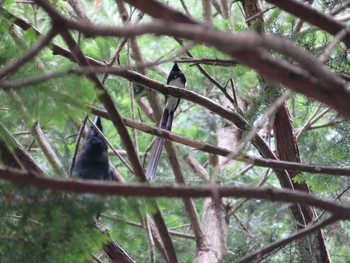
x=154 y=159
x=166 y=123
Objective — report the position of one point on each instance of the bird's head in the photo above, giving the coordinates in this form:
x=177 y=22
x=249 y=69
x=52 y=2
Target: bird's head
x=94 y=141
x=176 y=76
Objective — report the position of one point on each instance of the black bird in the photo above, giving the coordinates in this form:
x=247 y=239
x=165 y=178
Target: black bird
x=178 y=79
x=92 y=161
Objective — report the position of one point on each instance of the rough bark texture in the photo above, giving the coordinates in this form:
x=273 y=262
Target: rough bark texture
x=227 y=136
x=228 y=139
x=214 y=225
x=116 y=253
x=252 y=8
x=18 y=158
x=287 y=150
x=215 y=229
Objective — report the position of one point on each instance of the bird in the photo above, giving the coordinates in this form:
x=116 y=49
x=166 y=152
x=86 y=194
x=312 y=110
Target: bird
x=92 y=161
x=176 y=78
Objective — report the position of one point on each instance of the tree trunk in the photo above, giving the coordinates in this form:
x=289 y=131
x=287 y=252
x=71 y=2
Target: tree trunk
x=287 y=148
x=215 y=229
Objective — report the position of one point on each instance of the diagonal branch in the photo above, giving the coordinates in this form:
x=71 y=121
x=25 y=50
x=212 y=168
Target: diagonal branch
x=188 y=203
x=313 y=16
x=42 y=43
x=15 y=155
x=152 y=8
x=260 y=253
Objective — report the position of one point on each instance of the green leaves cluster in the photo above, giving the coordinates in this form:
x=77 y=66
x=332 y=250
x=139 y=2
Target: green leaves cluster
x=45 y=226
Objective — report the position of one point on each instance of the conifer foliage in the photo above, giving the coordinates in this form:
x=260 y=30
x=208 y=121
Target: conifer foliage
x=254 y=169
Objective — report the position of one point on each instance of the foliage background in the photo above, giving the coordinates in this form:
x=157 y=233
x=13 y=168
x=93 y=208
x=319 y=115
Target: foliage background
x=48 y=226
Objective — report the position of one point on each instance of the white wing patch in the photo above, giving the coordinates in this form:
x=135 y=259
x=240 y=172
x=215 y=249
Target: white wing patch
x=172 y=102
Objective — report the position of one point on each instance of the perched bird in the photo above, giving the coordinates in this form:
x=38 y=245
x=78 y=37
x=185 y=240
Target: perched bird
x=92 y=161
x=176 y=78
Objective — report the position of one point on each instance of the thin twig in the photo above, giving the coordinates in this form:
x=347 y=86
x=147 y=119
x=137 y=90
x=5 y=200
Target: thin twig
x=209 y=61
x=308 y=122
x=241 y=203
x=258 y=14
x=130 y=223
x=77 y=142
x=336 y=40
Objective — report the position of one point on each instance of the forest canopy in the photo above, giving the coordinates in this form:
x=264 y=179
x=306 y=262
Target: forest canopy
x=253 y=150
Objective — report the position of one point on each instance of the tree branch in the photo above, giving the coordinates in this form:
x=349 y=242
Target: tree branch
x=313 y=16
x=139 y=189
x=249 y=48
x=269 y=163
x=152 y=7
x=188 y=203
x=42 y=43
x=260 y=253
x=191 y=96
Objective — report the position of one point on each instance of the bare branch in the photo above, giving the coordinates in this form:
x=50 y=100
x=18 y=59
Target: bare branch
x=139 y=189
x=18 y=157
x=188 y=203
x=42 y=43
x=152 y=7
x=209 y=61
x=337 y=39
x=260 y=253
x=270 y=163
x=313 y=16
x=38 y=134
x=173 y=233
x=186 y=94
x=76 y=147
x=247 y=48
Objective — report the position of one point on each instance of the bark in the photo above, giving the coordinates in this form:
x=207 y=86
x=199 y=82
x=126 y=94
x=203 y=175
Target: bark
x=215 y=228
x=116 y=253
x=207 y=12
x=228 y=139
x=112 y=249
x=228 y=136
x=214 y=223
x=287 y=150
x=252 y=8
x=18 y=157
x=188 y=203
